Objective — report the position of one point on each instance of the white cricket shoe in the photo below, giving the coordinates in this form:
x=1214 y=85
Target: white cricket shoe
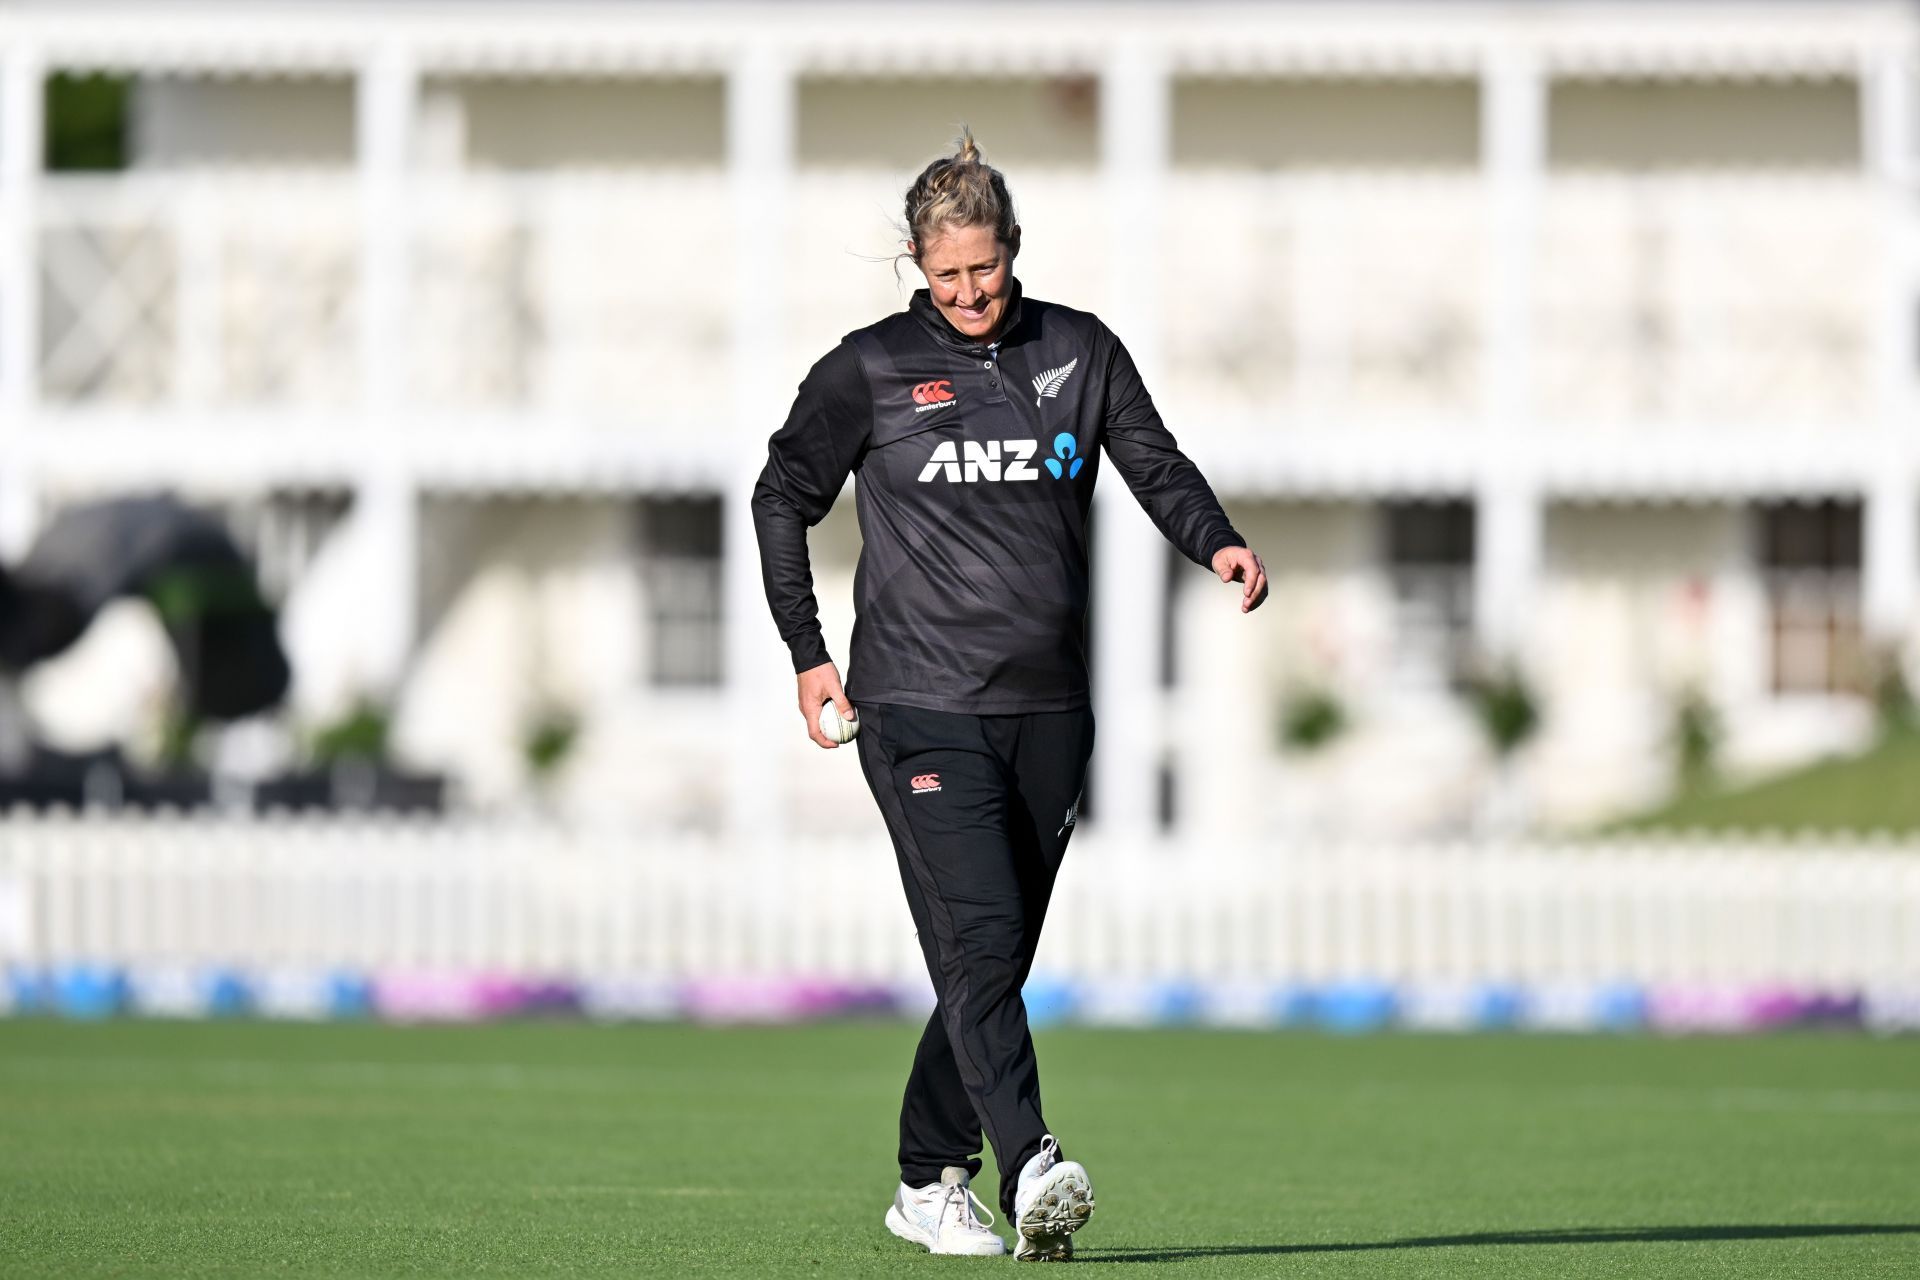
x=941 y=1217
x=1052 y=1200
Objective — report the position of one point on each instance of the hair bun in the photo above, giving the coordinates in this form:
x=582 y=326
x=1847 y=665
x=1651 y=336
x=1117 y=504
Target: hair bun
x=961 y=189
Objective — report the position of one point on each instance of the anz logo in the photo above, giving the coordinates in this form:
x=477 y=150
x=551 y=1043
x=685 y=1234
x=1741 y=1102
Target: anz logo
x=968 y=460
x=1063 y=448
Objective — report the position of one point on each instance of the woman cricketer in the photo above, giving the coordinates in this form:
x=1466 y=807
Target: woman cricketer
x=974 y=423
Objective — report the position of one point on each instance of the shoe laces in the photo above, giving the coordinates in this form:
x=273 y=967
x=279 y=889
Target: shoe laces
x=963 y=1202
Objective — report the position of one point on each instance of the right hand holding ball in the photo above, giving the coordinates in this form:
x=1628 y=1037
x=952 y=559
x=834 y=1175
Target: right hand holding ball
x=821 y=698
x=833 y=726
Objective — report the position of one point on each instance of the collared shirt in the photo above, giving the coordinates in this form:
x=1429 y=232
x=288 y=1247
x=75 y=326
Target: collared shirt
x=974 y=465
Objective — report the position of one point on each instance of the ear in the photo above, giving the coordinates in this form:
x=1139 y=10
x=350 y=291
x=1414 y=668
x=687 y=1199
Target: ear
x=1013 y=243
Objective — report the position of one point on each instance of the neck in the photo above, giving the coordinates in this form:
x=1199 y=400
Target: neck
x=1009 y=316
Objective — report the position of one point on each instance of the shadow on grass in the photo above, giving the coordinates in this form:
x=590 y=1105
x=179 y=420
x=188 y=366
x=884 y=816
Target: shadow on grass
x=1570 y=1235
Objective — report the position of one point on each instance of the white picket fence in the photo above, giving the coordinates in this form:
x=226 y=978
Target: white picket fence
x=385 y=894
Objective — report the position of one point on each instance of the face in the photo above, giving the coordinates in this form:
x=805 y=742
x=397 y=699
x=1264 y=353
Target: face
x=970 y=277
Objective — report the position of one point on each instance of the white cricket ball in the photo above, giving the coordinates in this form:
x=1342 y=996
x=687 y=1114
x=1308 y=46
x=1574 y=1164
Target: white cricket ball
x=833 y=727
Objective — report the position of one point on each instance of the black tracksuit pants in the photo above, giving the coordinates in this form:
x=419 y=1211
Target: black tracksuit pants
x=980 y=809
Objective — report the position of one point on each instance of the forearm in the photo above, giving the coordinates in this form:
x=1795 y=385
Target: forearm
x=787 y=576
x=1181 y=504
x=808 y=460
x=1164 y=480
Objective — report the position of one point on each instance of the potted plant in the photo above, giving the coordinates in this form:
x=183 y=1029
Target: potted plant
x=1508 y=713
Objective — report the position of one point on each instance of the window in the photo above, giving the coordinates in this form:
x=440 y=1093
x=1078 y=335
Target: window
x=680 y=574
x=1810 y=563
x=1430 y=573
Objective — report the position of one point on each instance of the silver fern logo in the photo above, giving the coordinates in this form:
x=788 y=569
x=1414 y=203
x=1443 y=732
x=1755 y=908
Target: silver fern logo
x=1047 y=385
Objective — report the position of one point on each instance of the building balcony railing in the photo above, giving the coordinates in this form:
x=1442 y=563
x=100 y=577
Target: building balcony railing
x=1287 y=303
x=1724 y=300
x=1303 y=304
x=168 y=293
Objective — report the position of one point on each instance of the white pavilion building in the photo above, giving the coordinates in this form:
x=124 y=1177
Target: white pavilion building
x=1581 y=337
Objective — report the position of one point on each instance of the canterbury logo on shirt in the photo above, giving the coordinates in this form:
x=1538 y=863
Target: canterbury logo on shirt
x=937 y=394
x=925 y=782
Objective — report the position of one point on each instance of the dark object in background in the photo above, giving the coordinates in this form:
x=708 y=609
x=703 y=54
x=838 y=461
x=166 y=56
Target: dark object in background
x=98 y=779
x=104 y=779
x=182 y=561
x=352 y=788
x=225 y=637
x=86 y=122
x=1507 y=709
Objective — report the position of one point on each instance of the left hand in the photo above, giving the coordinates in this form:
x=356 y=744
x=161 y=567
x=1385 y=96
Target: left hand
x=1240 y=564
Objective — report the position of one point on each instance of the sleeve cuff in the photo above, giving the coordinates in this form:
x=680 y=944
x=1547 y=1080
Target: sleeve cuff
x=1220 y=541
x=809 y=651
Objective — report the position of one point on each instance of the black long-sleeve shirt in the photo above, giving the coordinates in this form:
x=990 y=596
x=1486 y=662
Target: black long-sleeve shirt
x=974 y=469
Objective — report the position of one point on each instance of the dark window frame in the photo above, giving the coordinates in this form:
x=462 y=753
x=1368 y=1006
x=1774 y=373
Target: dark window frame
x=682 y=567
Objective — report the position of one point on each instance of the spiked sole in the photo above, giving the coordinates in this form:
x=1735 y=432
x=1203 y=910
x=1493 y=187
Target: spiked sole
x=1060 y=1206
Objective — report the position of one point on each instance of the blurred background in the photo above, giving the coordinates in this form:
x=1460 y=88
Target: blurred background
x=381 y=388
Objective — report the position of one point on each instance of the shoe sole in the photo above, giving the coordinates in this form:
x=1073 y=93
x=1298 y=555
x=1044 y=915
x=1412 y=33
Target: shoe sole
x=1061 y=1205
x=898 y=1224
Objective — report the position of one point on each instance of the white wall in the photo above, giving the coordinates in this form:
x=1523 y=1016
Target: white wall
x=523 y=124
x=188 y=124
x=1409 y=762
x=1637 y=605
x=1336 y=124
x=526 y=605
x=1655 y=125
x=903 y=124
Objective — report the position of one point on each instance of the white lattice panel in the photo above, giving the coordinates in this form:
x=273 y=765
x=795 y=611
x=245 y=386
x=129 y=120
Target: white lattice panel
x=197 y=291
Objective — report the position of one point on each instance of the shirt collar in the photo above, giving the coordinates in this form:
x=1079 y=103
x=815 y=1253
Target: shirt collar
x=921 y=305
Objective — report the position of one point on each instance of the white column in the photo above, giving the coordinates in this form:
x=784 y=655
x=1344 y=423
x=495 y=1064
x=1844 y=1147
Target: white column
x=386 y=499
x=1892 y=553
x=1513 y=138
x=386 y=516
x=1513 y=149
x=760 y=129
x=1129 y=589
x=22 y=76
x=386 y=105
x=1508 y=536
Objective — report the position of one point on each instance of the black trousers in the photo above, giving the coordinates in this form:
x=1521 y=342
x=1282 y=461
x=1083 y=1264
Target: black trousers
x=980 y=809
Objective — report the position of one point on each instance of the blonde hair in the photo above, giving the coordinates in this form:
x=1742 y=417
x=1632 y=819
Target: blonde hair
x=960 y=190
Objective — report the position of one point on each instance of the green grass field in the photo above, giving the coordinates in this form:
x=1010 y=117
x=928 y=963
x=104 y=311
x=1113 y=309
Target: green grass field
x=145 y=1149
x=1869 y=792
